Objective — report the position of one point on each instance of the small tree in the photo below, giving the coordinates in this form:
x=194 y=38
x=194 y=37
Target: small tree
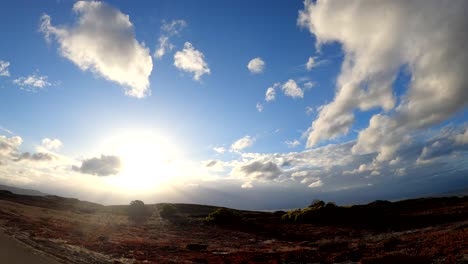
x=137 y=212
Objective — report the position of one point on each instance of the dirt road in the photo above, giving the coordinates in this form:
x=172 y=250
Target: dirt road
x=13 y=252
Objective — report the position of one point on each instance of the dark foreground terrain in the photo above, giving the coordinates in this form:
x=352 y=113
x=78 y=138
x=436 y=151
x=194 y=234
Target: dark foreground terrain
x=431 y=230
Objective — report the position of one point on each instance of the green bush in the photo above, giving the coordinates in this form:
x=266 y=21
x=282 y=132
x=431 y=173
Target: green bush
x=224 y=216
x=169 y=212
x=137 y=212
x=317 y=204
x=318 y=211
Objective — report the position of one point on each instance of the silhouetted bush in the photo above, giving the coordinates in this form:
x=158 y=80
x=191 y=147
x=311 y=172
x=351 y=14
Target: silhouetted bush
x=137 y=212
x=279 y=213
x=169 y=212
x=224 y=216
x=317 y=212
x=317 y=204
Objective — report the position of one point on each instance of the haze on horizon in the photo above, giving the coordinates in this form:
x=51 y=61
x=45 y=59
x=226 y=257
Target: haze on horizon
x=247 y=105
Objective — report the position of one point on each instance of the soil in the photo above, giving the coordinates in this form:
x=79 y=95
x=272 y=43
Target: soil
x=420 y=231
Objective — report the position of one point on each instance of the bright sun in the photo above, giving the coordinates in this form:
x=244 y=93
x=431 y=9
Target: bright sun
x=149 y=160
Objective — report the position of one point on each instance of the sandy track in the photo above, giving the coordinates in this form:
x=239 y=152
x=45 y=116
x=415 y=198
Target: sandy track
x=14 y=252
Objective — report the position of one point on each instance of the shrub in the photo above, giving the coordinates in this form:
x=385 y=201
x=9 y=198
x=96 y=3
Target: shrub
x=317 y=204
x=137 y=212
x=224 y=216
x=169 y=212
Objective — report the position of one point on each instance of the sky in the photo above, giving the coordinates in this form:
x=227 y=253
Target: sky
x=250 y=105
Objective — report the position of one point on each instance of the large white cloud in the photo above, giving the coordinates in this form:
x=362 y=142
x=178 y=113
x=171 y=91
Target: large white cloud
x=256 y=65
x=4 y=68
x=103 y=41
x=191 y=60
x=379 y=38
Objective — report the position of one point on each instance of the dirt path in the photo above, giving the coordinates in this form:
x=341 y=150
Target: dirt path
x=13 y=252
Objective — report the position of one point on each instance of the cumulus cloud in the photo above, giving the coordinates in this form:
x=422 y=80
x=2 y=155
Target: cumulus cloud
x=4 y=68
x=191 y=60
x=168 y=30
x=290 y=88
x=51 y=144
x=261 y=170
x=242 y=143
x=9 y=146
x=270 y=94
x=335 y=167
x=292 y=143
x=32 y=82
x=444 y=144
x=462 y=138
x=102 y=166
x=220 y=150
x=103 y=41
x=259 y=107
x=40 y=156
x=378 y=39
x=256 y=65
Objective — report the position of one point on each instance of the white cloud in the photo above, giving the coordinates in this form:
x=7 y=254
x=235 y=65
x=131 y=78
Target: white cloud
x=290 y=88
x=191 y=60
x=32 y=82
x=256 y=65
x=258 y=170
x=35 y=157
x=169 y=30
x=220 y=150
x=310 y=63
x=242 y=143
x=214 y=165
x=259 y=107
x=299 y=174
x=51 y=144
x=400 y=172
x=247 y=185
x=309 y=85
x=316 y=184
x=309 y=110
x=103 y=166
x=4 y=68
x=6 y=130
x=293 y=143
x=9 y=146
x=270 y=94
x=103 y=41
x=378 y=39
x=462 y=138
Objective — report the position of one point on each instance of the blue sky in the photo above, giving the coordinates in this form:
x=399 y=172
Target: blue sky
x=110 y=101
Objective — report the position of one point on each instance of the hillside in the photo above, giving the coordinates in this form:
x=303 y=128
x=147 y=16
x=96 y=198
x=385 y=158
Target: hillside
x=72 y=231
